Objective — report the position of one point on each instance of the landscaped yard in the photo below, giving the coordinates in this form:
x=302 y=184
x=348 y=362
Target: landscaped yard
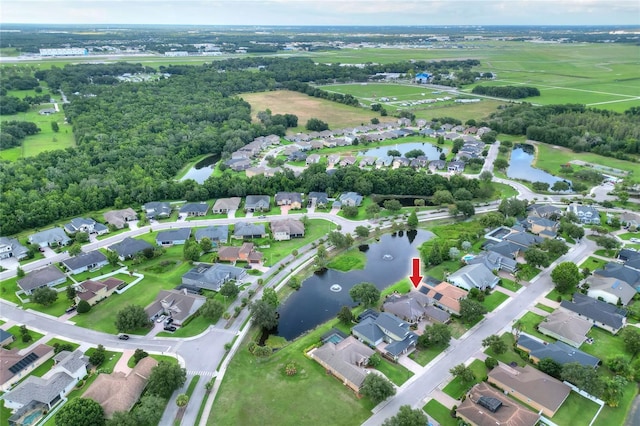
x=494 y=300
x=18 y=343
x=403 y=286
x=425 y=356
x=556 y=296
x=527 y=272
x=616 y=415
x=510 y=355
x=576 y=410
x=529 y=323
x=198 y=325
x=397 y=373
x=457 y=388
x=509 y=284
x=349 y=260
x=62 y=342
x=440 y=413
x=592 y=263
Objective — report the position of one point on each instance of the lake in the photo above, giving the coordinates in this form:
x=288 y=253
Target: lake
x=202 y=169
x=388 y=261
x=520 y=167
x=431 y=151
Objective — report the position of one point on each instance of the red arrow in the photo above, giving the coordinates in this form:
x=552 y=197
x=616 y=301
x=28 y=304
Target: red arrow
x=415 y=275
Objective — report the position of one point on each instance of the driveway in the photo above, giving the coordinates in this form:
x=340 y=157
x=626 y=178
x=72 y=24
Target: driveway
x=48 y=252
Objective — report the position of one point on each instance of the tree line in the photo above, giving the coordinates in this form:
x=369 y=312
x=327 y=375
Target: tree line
x=13 y=132
x=509 y=92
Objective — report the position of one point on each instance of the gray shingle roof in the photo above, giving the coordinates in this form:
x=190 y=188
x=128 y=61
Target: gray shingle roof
x=558 y=351
x=41 y=277
x=50 y=236
x=344 y=358
x=17 y=249
x=242 y=229
x=174 y=235
x=84 y=259
x=476 y=275
x=194 y=208
x=211 y=277
x=596 y=310
x=257 y=201
x=38 y=389
x=566 y=325
x=369 y=330
x=129 y=247
x=214 y=233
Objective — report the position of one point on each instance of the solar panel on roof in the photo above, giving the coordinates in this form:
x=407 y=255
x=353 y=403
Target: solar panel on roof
x=438 y=296
x=423 y=290
x=490 y=403
x=20 y=365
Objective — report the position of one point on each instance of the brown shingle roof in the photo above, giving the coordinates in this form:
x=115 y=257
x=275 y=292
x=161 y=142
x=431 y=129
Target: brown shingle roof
x=9 y=358
x=510 y=413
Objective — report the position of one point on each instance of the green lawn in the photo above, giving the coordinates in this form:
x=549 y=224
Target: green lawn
x=616 y=415
x=440 y=413
x=394 y=372
x=457 y=388
x=529 y=323
x=192 y=385
x=280 y=249
x=605 y=345
x=42 y=369
x=425 y=356
x=62 y=342
x=550 y=159
x=403 y=286
x=576 y=410
x=527 y=272
x=544 y=307
x=509 y=284
x=110 y=360
x=510 y=355
x=627 y=236
x=349 y=260
x=592 y=263
x=494 y=300
x=554 y=295
x=9 y=287
x=18 y=343
x=198 y=325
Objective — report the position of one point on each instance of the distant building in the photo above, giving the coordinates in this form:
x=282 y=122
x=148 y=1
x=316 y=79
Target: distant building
x=119 y=218
x=11 y=247
x=423 y=78
x=157 y=210
x=69 y=51
x=586 y=214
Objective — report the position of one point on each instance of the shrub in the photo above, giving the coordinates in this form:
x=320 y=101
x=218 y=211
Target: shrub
x=83 y=307
x=291 y=369
x=491 y=363
x=252 y=346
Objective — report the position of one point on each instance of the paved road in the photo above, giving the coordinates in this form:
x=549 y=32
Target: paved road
x=415 y=391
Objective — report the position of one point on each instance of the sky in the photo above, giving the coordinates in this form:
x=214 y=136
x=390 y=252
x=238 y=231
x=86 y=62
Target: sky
x=323 y=12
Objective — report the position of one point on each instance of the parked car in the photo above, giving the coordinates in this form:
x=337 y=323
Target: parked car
x=168 y=321
x=123 y=337
x=161 y=318
x=70 y=309
x=171 y=328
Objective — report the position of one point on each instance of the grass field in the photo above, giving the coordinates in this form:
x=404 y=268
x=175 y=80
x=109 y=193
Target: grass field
x=18 y=343
x=457 y=388
x=352 y=259
x=575 y=410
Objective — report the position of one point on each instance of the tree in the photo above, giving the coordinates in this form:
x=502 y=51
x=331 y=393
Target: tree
x=80 y=411
x=608 y=243
x=560 y=186
x=501 y=164
x=496 y=344
x=466 y=245
x=372 y=209
x=466 y=208
x=317 y=125
x=392 y=205
x=512 y=207
x=555 y=247
x=192 y=251
x=98 y=356
x=55 y=127
x=619 y=364
x=454 y=253
x=462 y=194
x=25 y=335
x=44 y=296
x=206 y=245
x=182 y=400
x=149 y=410
x=584 y=377
x=442 y=197
x=112 y=257
x=165 y=378
x=551 y=367
x=486 y=176
x=435 y=255
x=229 y=289
x=270 y=296
x=20 y=272
x=565 y=276
x=130 y=318
x=212 y=310
x=490 y=363
x=540 y=186
x=75 y=249
x=412 y=221
x=536 y=257
x=365 y=293
x=394 y=153
x=614 y=390
x=350 y=211
x=362 y=231
x=264 y=315
x=374 y=360
x=492 y=219
x=81 y=237
x=407 y=417
x=345 y=315
x=631 y=339
x=464 y=373
x=83 y=307
x=138 y=355
x=71 y=292
x=571 y=229
x=377 y=388
x=436 y=335
x=471 y=311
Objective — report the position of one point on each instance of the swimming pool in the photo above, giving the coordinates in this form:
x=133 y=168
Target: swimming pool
x=334 y=338
x=467 y=257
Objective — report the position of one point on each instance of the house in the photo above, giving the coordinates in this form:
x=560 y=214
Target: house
x=255 y=203
x=546 y=211
x=245 y=230
x=346 y=360
x=495 y=261
x=94 y=291
x=423 y=77
x=559 y=352
x=157 y=210
x=505 y=249
x=541 y=226
x=298 y=156
x=367 y=161
x=239 y=164
x=81 y=224
x=586 y=214
x=400 y=162
x=523 y=239
x=13 y=366
x=225 y=205
x=245 y=253
x=194 y=209
x=293 y=199
x=610 y=289
x=437 y=165
x=485 y=406
x=313 y=159
x=602 y=314
x=215 y=234
x=48 y=276
x=286 y=229
x=173 y=237
x=333 y=158
x=176 y=304
x=318 y=199
x=630 y=220
x=531 y=386
x=50 y=238
x=119 y=392
x=85 y=262
x=10 y=247
x=566 y=327
x=129 y=247
x=349 y=160
x=456 y=166
x=629 y=272
x=67 y=371
x=6 y=338
x=444 y=296
x=404 y=307
x=474 y=276
x=119 y=218
x=387 y=328
x=350 y=199
x=384 y=161
x=427 y=132
x=316 y=145
x=212 y=277
x=626 y=255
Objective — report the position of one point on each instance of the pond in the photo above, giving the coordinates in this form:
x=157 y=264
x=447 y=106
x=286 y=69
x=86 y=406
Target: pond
x=202 y=169
x=520 y=167
x=318 y=300
x=431 y=151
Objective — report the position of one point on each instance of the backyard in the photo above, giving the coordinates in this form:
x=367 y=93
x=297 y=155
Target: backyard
x=440 y=413
x=575 y=410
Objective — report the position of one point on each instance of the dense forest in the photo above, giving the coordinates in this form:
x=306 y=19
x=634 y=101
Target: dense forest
x=509 y=92
x=573 y=126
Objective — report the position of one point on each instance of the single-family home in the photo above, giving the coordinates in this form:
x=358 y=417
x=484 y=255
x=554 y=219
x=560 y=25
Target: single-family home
x=85 y=262
x=194 y=209
x=286 y=229
x=611 y=290
x=387 y=328
x=346 y=360
x=292 y=199
x=245 y=230
x=565 y=326
x=333 y=159
x=157 y=210
x=626 y=254
x=444 y=296
x=546 y=211
x=67 y=371
x=423 y=77
x=53 y=237
x=456 y=166
x=485 y=406
x=400 y=162
x=494 y=261
x=312 y=159
x=586 y=214
x=531 y=386
x=212 y=277
x=173 y=237
x=245 y=253
x=239 y=164
x=297 y=156
x=14 y=366
x=437 y=165
x=427 y=132
x=367 y=160
x=474 y=276
x=6 y=338
x=630 y=220
x=384 y=161
x=216 y=234
x=628 y=272
x=119 y=218
x=349 y=160
x=404 y=307
x=119 y=392
x=541 y=226
x=81 y=224
x=318 y=200
x=129 y=247
x=48 y=276
x=92 y=291
x=350 y=199
x=225 y=205
x=601 y=314
x=558 y=351
x=257 y=203
x=176 y=304
x=11 y=247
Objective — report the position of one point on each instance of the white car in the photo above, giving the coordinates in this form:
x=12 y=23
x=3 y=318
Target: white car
x=634 y=240
x=161 y=318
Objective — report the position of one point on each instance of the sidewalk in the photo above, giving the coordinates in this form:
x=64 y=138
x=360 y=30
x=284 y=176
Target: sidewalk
x=505 y=291
x=443 y=398
x=410 y=364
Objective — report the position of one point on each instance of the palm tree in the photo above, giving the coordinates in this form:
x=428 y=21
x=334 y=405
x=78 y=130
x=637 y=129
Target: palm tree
x=182 y=400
